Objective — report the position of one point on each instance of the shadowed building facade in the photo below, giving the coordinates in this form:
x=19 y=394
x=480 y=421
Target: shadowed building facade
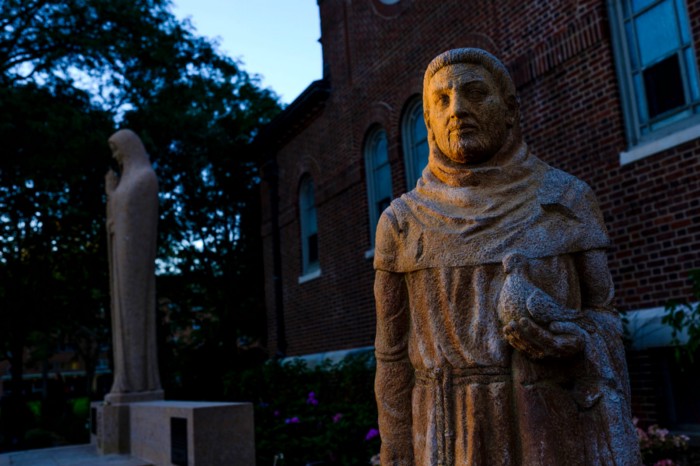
x=606 y=94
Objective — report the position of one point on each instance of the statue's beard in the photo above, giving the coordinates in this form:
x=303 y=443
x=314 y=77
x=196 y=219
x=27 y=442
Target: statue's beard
x=475 y=147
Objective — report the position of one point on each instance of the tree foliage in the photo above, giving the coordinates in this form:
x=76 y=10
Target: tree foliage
x=71 y=72
x=684 y=319
x=48 y=201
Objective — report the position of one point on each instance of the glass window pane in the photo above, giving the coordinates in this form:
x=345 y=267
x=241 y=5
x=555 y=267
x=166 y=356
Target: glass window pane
x=420 y=132
x=378 y=172
x=311 y=220
x=309 y=229
x=672 y=119
x=382 y=204
x=664 y=86
x=625 y=8
x=313 y=248
x=641 y=102
x=631 y=45
x=692 y=67
x=638 y=5
x=683 y=21
x=382 y=183
x=379 y=149
x=307 y=194
x=657 y=32
x=421 y=157
x=415 y=144
x=420 y=145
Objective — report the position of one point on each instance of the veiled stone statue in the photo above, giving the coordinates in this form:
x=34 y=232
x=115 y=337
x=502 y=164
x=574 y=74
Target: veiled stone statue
x=497 y=341
x=132 y=218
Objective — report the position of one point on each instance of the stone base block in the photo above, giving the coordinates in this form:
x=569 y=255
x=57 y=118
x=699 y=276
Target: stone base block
x=110 y=427
x=188 y=433
x=110 y=420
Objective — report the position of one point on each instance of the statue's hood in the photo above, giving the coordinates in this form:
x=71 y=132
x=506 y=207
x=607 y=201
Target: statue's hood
x=516 y=203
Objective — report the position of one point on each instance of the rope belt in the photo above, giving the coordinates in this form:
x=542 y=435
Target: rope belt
x=442 y=380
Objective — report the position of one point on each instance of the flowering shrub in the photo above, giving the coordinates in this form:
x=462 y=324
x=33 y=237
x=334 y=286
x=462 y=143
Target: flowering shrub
x=311 y=416
x=659 y=447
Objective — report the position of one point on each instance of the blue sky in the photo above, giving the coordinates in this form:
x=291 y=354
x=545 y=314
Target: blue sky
x=277 y=39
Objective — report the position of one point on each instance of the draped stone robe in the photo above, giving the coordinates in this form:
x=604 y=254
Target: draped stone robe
x=132 y=217
x=450 y=389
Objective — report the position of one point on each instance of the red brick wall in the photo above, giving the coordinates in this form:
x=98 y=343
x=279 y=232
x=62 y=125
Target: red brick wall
x=560 y=54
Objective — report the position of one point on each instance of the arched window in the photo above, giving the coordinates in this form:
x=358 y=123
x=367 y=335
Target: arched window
x=309 y=229
x=415 y=142
x=378 y=177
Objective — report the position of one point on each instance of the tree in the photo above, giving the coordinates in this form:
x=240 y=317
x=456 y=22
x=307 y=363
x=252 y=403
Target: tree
x=48 y=205
x=71 y=71
x=47 y=219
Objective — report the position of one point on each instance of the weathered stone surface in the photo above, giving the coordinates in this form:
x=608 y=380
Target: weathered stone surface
x=216 y=433
x=497 y=342
x=132 y=218
x=112 y=429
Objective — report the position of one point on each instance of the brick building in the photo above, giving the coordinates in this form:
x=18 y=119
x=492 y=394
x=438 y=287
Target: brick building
x=609 y=91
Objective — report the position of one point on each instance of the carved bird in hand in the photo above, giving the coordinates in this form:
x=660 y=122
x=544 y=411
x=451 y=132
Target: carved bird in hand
x=521 y=298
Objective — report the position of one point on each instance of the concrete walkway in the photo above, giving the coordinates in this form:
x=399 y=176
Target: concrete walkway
x=80 y=455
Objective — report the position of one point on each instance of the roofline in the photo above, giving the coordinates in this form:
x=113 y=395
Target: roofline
x=296 y=116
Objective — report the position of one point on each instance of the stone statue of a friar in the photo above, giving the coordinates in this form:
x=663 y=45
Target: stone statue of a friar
x=132 y=218
x=497 y=341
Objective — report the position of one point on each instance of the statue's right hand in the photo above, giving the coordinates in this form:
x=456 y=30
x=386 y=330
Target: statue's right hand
x=111 y=181
x=560 y=340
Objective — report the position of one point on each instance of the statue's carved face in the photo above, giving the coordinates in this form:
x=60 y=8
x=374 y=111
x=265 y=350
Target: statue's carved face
x=116 y=153
x=468 y=115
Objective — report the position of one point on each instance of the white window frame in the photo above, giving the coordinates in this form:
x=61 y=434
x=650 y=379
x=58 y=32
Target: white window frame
x=308 y=227
x=674 y=133
x=372 y=165
x=413 y=167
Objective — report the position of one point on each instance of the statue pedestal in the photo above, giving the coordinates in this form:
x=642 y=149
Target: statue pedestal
x=193 y=433
x=176 y=432
x=110 y=420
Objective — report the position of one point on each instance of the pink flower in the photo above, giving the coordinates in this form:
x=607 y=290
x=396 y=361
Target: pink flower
x=337 y=418
x=641 y=435
x=666 y=462
x=371 y=434
x=311 y=400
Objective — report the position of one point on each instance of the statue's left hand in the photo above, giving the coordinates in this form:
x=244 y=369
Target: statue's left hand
x=111 y=181
x=561 y=340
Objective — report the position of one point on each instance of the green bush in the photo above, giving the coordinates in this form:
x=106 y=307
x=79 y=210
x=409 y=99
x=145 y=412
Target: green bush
x=35 y=408
x=80 y=407
x=684 y=319
x=39 y=438
x=324 y=415
x=42 y=424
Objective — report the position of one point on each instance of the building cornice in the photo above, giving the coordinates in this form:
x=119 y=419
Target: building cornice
x=296 y=116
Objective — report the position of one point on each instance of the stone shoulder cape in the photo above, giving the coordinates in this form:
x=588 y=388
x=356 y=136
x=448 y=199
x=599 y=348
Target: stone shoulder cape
x=524 y=206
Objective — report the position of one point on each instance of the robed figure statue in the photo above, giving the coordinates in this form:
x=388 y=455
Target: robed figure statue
x=497 y=340
x=132 y=217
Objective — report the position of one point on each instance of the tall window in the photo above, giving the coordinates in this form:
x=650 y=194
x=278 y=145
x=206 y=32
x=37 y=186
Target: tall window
x=656 y=65
x=378 y=177
x=415 y=142
x=309 y=229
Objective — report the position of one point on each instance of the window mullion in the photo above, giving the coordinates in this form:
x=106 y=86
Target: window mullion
x=634 y=130
x=684 y=77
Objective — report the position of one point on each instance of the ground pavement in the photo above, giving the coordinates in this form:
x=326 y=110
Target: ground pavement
x=77 y=455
